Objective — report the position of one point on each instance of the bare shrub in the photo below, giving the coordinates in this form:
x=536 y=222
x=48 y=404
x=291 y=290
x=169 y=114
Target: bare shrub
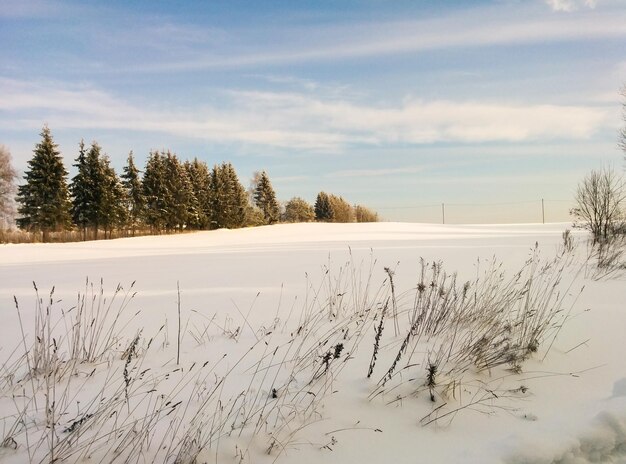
x=8 y=175
x=493 y=321
x=364 y=214
x=600 y=199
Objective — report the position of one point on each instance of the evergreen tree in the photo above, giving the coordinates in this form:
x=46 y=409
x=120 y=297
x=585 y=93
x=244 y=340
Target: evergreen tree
x=98 y=199
x=265 y=199
x=81 y=190
x=135 y=200
x=200 y=179
x=227 y=197
x=298 y=210
x=96 y=180
x=44 y=198
x=180 y=203
x=154 y=191
x=112 y=209
x=237 y=200
x=323 y=208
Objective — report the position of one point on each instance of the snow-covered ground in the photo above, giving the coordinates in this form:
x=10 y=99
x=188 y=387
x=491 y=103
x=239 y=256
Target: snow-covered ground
x=245 y=294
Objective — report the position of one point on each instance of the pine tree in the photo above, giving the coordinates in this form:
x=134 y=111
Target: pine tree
x=265 y=199
x=112 y=198
x=200 y=179
x=227 y=197
x=96 y=180
x=154 y=191
x=237 y=200
x=135 y=200
x=180 y=203
x=44 y=198
x=323 y=208
x=81 y=190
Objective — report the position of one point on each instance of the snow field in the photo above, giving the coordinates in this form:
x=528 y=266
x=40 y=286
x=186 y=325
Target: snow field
x=261 y=375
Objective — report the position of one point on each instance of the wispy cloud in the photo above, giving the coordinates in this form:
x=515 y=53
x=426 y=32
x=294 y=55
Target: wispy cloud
x=301 y=121
x=480 y=27
x=376 y=172
x=29 y=8
x=571 y=5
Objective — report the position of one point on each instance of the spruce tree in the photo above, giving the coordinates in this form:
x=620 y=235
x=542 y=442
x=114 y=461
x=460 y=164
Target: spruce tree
x=180 y=204
x=323 y=208
x=265 y=199
x=200 y=179
x=112 y=212
x=227 y=197
x=237 y=199
x=134 y=195
x=81 y=190
x=44 y=198
x=96 y=178
x=154 y=190
x=216 y=203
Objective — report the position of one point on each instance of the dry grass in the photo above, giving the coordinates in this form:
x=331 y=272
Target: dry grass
x=82 y=388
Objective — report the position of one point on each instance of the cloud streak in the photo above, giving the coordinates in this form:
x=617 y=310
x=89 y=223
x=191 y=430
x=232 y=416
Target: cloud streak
x=480 y=27
x=570 y=5
x=297 y=121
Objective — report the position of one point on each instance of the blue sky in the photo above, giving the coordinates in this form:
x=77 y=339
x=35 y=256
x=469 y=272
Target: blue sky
x=487 y=106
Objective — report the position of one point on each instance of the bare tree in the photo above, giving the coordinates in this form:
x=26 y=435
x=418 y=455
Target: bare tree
x=622 y=133
x=7 y=188
x=600 y=198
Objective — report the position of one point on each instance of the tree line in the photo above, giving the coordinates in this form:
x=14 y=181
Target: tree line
x=168 y=195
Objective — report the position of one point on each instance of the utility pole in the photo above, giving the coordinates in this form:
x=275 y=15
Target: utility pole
x=443 y=213
x=543 y=213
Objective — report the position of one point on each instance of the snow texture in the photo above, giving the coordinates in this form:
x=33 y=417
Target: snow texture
x=573 y=405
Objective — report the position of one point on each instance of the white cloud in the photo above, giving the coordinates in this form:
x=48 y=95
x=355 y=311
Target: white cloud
x=301 y=121
x=571 y=5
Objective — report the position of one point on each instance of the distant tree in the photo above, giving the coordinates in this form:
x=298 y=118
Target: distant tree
x=44 y=198
x=237 y=198
x=112 y=197
x=363 y=214
x=254 y=216
x=342 y=210
x=134 y=194
x=98 y=198
x=254 y=182
x=200 y=179
x=8 y=175
x=81 y=191
x=298 y=210
x=323 y=208
x=154 y=191
x=180 y=204
x=622 y=134
x=228 y=198
x=600 y=198
x=265 y=199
